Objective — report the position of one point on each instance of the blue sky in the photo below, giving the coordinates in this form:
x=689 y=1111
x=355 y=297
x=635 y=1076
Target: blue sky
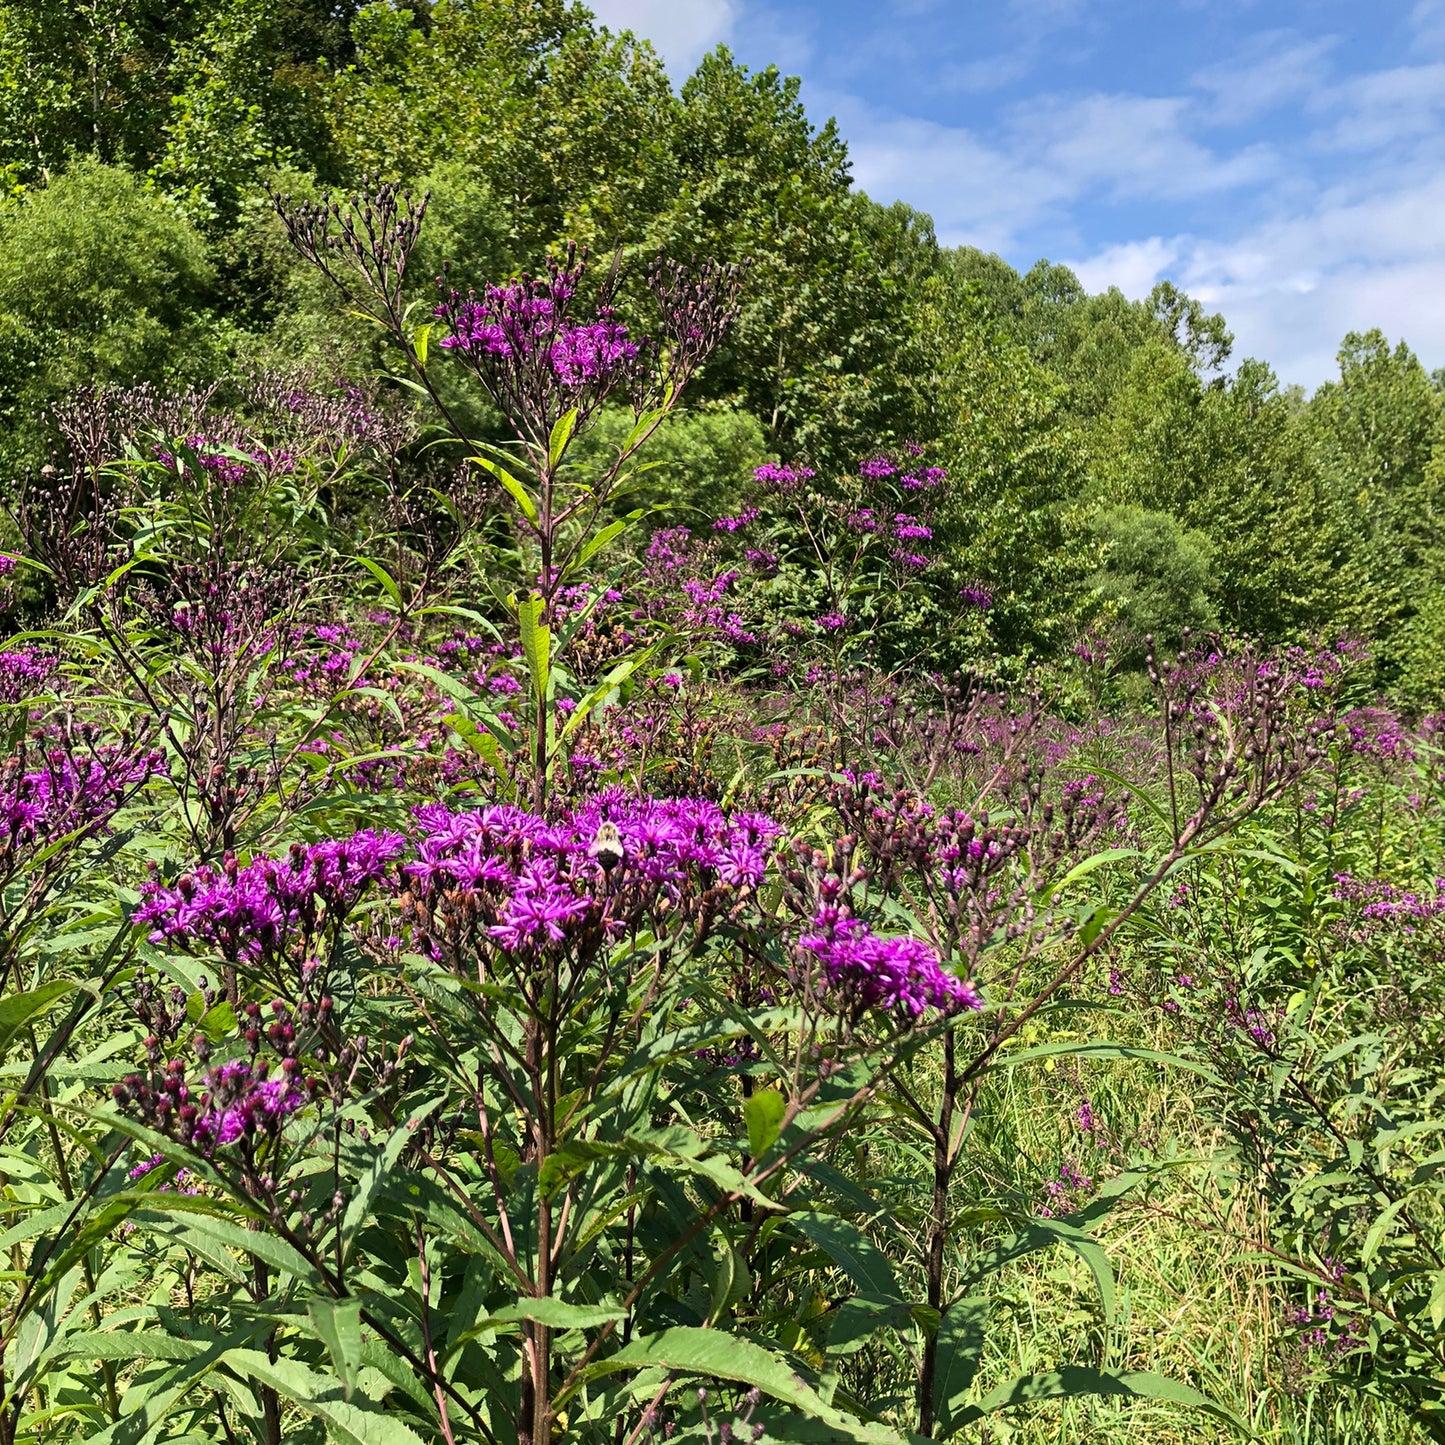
x=1284 y=160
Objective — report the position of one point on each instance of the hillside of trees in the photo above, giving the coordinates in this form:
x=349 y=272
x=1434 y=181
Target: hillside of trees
x=1117 y=467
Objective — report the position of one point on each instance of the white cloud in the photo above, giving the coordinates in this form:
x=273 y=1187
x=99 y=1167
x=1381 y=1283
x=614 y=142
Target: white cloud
x=1133 y=146
x=1132 y=266
x=1272 y=68
x=682 y=31
x=1050 y=155
x=1384 y=109
x=1291 y=288
x=1428 y=20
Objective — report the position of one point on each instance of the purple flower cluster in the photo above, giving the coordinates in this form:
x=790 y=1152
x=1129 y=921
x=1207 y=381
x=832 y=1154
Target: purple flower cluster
x=516 y=322
x=780 y=478
x=1380 y=901
x=1322 y=1327
x=735 y=524
x=907 y=528
x=877 y=469
x=707 y=612
x=66 y=791
x=976 y=595
x=1065 y=1192
x=255 y=911
x=927 y=480
x=241 y=1101
x=1253 y=1022
x=509 y=879
x=670 y=550
x=901 y=975
x=227 y=462
x=24 y=671
x=1373 y=732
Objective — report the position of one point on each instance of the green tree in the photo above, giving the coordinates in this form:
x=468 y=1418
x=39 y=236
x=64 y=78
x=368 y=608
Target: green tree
x=249 y=96
x=1377 y=432
x=1010 y=525
x=1155 y=575
x=1226 y=458
x=824 y=353
x=206 y=93
x=101 y=280
x=565 y=125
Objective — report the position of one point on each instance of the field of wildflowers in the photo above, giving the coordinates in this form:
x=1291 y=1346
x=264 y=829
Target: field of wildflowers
x=479 y=967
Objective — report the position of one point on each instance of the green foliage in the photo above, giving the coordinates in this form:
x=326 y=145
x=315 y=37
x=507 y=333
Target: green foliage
x=697 y=466
x=100 y=280
x=1418 y=650
x=567 y=127
x=1227 y=460
x=1155 y=575
x=1375 y=431
x=821 y=353
x=1016 y=469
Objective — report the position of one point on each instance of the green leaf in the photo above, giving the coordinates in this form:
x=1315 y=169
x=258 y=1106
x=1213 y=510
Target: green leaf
x=600 y=693
x=598 y=540
x=731 y=1282
x=319 y=1396
x=383 y=1162
x=1377 y=1231
x=1092 y=862
x=337 y=1323
x=20 y=1009
x=852 y=1251
x=36 y=1333
x=857 y=1320
x=276 y=1253
x=388 y=582
x=1097 y=921
x=714 y=1355
x=141 y=1344
x=764 y=1112
x=1437 y=1300
x=1101 y=1051
x=961 y=1335
x=559 y=1314
x=536 y=643
x=1073 y=1381
x=515 y=489
x=1044 y=1234
x=561 y=434
x=645 y=424
x=484 y=742
x=153 y=1407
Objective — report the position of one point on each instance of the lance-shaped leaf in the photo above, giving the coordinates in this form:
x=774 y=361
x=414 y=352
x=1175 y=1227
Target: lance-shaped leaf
x=1073 y=1381
x=715 y=1355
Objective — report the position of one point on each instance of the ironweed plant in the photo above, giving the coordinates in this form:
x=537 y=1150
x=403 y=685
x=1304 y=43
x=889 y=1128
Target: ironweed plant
x=484 y=1003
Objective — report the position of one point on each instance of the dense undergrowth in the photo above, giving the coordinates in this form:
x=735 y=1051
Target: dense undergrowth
x=480 y=966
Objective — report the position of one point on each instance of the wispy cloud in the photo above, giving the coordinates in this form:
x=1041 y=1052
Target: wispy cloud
x=1132 y=266
x=1270 y=70
x=683 y=31
x=1384 y=109
x=1050 y=154
x=1428 y=22
x=1291 y=176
